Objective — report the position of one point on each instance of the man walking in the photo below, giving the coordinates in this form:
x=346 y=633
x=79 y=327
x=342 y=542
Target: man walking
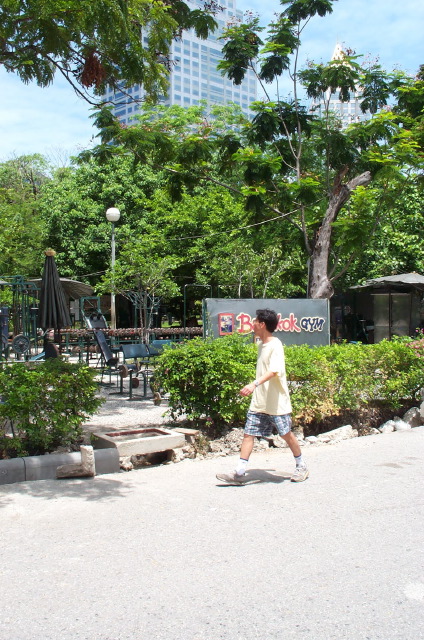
x=270 y=405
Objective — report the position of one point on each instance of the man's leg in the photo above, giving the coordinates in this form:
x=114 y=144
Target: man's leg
x=291 y=440
x=283 y=425
x=245 y=451
x=246 y=446
x=239 y=475
x=301 y=472
x=253 y=425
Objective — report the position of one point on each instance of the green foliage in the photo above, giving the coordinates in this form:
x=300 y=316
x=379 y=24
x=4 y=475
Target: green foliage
x=242 y=271
x=285 y=162
x=240 y=50
x=21 y=182
x=340 y=76
x=280 y=172
x=45 y=404
x=162 y=245
x=21 y=178
x=298 y=10
x=138 y=269
x=204 y=378
x=326 y=380
x=73 y=205
x=375 y=89
x=280 y=44
x=93 y=44
x=393 y=224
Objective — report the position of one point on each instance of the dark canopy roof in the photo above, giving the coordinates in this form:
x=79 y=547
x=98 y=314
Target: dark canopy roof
x=72 y=288
x=402 y=280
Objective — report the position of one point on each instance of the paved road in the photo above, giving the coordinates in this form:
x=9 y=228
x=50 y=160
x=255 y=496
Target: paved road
x=167 y=553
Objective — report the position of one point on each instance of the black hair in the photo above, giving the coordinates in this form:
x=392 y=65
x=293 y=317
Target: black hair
x=269 y=317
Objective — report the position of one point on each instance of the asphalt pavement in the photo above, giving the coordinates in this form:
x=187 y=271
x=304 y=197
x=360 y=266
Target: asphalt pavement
x=169 y=553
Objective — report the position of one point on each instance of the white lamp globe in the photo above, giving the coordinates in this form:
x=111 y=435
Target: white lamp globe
x=113 y=214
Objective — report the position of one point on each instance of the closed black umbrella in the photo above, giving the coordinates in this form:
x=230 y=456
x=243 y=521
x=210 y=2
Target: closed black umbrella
x=53 y=312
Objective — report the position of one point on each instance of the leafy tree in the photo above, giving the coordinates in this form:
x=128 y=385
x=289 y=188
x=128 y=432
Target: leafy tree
x=199 y=239
x=21 y=182
x=240 y=271
x=294 y=169
x=24 y=176
x=139 y=271
x=73 y=210
x=94 y=44
x=206 y=229
x=398 y=245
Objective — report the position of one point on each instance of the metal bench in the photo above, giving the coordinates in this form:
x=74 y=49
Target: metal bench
x=139 y=353
x=157 y=346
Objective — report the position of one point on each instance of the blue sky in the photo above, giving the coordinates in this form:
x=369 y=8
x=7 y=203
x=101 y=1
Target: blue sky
x=55 y=122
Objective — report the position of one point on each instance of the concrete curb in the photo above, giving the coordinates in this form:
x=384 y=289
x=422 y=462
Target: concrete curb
x=44 y=467
x=12 y=471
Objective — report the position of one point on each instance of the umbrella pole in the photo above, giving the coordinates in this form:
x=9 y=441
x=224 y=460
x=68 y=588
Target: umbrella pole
x=58 y=340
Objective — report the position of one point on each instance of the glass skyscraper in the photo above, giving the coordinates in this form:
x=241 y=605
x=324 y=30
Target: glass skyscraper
x=194 y=76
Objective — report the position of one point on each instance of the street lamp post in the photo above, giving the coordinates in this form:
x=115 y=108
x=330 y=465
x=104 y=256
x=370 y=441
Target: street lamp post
x=113 y=214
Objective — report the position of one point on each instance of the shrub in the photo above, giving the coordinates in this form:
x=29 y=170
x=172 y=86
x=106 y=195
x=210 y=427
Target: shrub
x=203 y=378
x=326 y=380
x=417 y=345
x=45 y=405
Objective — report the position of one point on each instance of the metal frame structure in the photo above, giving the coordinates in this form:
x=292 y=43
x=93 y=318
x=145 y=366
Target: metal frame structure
x=22 y=312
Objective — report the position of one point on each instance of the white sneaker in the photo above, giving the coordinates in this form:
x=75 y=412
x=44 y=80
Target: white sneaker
x=300 y=474
x=232 y=478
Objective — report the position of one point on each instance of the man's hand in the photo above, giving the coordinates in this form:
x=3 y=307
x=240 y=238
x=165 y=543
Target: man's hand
x=248 y=389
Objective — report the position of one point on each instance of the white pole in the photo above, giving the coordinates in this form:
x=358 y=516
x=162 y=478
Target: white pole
x=112 y=297
x=113 y=214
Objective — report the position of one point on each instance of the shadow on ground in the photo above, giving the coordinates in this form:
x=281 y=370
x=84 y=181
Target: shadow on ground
x=257 y=476
x=98 y=489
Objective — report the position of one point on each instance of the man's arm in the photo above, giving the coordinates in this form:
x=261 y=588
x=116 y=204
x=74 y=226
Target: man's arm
x=249 y=388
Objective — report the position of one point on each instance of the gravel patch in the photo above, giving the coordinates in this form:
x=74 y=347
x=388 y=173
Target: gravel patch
x=118 y=412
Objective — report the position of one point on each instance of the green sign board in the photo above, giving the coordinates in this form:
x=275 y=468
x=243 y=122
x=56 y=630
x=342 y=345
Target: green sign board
x=301 y=321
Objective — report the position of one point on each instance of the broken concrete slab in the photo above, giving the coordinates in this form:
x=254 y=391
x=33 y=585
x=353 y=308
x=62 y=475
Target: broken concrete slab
x=86 y=469
x=142 y=441
x=189 y=434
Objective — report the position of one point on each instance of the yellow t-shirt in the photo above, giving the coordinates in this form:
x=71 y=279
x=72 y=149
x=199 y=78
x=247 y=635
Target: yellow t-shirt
x=271 y=397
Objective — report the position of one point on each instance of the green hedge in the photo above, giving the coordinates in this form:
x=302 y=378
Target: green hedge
x=203 y=378
x=327 y=380
x=43 y=406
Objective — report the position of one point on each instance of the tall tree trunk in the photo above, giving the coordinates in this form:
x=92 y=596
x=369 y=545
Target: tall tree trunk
x=320 y=285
